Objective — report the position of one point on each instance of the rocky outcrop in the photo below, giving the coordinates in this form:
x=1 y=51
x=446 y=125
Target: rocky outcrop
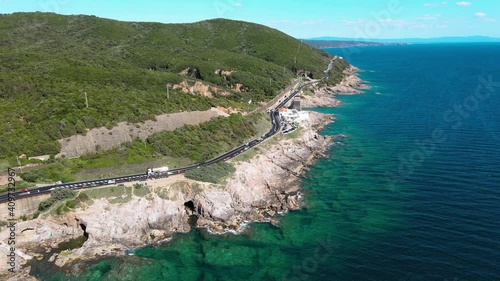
x=324 y=96
x=238 y=88
x=267 y=184
x=351 y=84
x=192 y=72
x=261 y=187
x=223 y=72
x=200 y=88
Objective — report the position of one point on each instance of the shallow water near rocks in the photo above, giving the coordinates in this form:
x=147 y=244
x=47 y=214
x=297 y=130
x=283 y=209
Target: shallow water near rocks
x=379 y=207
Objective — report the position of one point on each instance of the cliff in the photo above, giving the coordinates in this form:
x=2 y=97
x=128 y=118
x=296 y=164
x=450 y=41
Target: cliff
x=265 y=185
x=324 y=96
x=259 y=189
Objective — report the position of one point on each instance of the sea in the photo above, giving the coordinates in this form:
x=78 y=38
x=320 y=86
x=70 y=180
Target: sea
x=412 y=192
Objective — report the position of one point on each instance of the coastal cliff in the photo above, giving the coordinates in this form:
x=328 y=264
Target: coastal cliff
x=324 y=96
x=260 y=188
x=263 y=186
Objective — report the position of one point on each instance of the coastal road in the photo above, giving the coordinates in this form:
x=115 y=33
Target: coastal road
x=276 y=127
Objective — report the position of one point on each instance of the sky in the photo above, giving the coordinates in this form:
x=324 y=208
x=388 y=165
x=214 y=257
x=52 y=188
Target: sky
x=299 y=18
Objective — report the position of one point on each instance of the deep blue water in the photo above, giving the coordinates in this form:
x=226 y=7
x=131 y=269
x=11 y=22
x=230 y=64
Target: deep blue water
x=449 y=188
x=413 y=192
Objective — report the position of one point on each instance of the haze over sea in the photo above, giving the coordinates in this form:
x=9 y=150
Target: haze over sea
x=412 y=193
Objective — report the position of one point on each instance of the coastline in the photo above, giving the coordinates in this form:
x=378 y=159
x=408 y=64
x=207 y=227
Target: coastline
x=324 y=96
x=261 y=188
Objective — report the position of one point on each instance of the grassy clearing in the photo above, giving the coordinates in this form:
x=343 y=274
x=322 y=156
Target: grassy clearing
x=214 y=174
x=106 y=192
x=140 y=190
x=293 y=135
x=127 y=196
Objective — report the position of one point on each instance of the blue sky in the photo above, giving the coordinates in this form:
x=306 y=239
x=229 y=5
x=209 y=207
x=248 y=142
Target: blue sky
x=299 y=18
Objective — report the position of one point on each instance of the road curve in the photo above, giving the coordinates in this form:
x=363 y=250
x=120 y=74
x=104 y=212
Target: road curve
x=276 y=127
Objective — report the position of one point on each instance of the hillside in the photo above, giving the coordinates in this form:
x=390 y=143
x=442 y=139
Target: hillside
x=49 y=62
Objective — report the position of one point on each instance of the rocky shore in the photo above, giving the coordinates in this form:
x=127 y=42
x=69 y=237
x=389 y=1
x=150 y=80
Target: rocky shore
x=261 y=187
x=324 y=96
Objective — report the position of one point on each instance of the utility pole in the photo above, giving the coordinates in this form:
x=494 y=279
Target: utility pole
x=86 y=101
x=168 y=93
x=270 y=80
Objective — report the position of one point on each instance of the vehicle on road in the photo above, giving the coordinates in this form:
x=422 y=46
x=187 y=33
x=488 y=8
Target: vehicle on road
x=157 y=171
x=25 y=190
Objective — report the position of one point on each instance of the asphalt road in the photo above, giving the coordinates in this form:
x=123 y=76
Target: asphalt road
x=275 y=120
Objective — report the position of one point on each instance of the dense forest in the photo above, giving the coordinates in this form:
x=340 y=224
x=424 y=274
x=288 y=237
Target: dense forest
x=50 y=64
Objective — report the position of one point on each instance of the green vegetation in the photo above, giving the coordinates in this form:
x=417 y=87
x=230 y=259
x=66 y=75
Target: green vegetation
x=214 y=173
x=196 y=143
x=207 y=140
x=49 y=62
x=79 y=200
x=140 y=190
x=3 y=223
x=56 y=196
x=114 y=194
x=105 y=192
x=19 y=185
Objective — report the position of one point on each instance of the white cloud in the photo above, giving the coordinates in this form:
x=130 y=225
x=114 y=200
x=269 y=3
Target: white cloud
x=429 y=17
x=358 y=22
x=238 y=5
x=392 y=23
x=463 y=3
x=484 y=17
x=435 y=4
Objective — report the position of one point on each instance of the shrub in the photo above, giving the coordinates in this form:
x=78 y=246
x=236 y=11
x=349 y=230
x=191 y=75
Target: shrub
x=56 y=196
x=214 y=173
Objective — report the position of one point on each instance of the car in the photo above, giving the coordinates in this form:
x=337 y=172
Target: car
x=25 y=190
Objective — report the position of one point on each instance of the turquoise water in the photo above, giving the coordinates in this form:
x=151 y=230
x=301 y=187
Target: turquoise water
x=412 y=193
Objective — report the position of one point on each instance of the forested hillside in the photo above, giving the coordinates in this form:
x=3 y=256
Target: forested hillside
x=49 y=62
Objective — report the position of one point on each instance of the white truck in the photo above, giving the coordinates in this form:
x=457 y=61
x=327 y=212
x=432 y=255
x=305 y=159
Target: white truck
x=157 y=171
